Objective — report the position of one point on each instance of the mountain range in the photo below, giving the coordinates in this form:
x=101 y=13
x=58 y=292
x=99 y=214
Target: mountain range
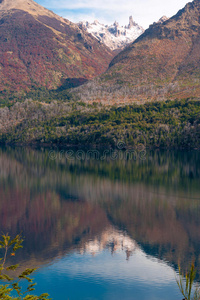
x=40 y=49
x=163 y=63
x=116 y=37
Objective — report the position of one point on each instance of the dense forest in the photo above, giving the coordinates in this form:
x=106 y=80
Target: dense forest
x=69 y=122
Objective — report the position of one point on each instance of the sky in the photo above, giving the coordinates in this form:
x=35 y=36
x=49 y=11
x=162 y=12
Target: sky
x=144 y=12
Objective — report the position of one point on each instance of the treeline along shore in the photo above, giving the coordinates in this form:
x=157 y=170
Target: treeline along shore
x=167 y=124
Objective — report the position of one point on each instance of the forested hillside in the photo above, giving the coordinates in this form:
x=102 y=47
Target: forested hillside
x=170 y=124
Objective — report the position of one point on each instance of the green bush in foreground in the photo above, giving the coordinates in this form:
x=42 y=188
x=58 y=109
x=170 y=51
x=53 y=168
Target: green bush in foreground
x=12 y=290
x=186 y=282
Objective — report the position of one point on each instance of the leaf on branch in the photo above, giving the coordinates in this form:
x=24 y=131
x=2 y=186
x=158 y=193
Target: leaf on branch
x=4 y=292
x=5 y=277
x=16 y=287
x=44 y=297
x=27 y=272
x=31 y=287
x=30 y=297
x=12 y=268
x=25 y=277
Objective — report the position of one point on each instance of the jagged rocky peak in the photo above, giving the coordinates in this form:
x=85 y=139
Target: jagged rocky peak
x=114 y=36
x=96 y=22
x=116 y=24
x=163 y=19
x=131 y=22
x=163 y=63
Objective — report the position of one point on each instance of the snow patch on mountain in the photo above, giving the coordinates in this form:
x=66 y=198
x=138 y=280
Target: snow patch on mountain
x=115 y=37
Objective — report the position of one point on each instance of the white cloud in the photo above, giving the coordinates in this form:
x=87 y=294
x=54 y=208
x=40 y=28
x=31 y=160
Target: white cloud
x=144 y=12
x=86 y=17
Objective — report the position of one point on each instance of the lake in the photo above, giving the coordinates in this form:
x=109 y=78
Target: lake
x=103 y=226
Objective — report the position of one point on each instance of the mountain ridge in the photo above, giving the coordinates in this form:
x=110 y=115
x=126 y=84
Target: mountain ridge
x=114 y=36
x=30 y=7
x=163 y=63
x=40 y=49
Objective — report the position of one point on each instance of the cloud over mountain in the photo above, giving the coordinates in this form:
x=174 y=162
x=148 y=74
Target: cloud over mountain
x=144 y=12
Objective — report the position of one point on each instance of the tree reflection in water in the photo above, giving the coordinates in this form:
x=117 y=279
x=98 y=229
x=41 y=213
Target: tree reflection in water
x=62 y=205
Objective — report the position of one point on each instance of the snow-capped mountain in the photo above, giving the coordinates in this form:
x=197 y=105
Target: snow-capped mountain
x=114 y=36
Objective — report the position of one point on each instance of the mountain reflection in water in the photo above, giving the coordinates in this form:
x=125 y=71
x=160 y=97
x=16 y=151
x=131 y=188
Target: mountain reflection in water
x=144 y=211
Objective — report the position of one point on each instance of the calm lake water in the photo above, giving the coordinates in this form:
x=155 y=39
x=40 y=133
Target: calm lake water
x=106 y=228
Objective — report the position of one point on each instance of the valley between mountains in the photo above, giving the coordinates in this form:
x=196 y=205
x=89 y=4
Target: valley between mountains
x=93 y=85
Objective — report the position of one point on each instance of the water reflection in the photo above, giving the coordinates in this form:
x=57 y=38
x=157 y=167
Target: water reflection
x=112 y=240
x=145 y=212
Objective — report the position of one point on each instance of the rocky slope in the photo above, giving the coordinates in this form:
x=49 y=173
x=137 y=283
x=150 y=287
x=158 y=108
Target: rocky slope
x=164 y=62
x=41 y=49
x=115 y=37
